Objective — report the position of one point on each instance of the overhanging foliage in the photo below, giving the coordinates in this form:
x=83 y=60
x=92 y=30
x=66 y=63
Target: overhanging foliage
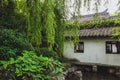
x=94 y=24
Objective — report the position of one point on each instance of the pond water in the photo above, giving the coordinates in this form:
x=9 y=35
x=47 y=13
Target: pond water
x=99 y=76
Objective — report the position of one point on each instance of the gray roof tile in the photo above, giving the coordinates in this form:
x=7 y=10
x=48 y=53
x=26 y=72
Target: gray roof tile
x=96 y=32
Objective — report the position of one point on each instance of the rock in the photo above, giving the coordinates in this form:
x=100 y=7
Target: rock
x=74 y=75
x=111 y=71
x=94 y=68
x=78 y=73
x=58 y=77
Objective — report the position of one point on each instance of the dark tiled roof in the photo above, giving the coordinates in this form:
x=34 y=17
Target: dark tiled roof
x=99 y=14
x=96 y=32
x=90 y=17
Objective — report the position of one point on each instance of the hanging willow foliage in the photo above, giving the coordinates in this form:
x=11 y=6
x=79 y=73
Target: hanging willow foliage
x=44 y=20
x=34 y=27
x=60 y=26
x=49 y=21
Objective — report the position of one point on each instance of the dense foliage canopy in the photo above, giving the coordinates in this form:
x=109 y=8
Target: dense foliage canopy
x=41 y=21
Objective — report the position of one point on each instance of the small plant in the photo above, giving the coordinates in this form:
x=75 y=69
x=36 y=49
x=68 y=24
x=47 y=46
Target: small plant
x=31 y=67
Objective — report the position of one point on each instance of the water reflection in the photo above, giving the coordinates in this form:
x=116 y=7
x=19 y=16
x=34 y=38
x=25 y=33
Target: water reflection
x=99 y=76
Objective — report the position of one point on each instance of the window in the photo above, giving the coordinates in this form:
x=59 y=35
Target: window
x=113 y=47
x=79 y=47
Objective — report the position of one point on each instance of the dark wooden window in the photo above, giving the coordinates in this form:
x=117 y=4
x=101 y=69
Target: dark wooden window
x=79 y=47
x=112 y=47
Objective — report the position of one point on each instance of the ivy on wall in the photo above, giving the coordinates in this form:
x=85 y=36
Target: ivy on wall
x=95 y=24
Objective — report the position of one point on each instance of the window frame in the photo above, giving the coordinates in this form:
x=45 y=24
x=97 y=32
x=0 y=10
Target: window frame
x=79 y=45
x=111 y=43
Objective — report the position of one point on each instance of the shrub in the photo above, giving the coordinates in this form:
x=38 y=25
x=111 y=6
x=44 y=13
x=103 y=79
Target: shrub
x=47 y=53
x=64 y=60
x=31 y=67
x=12 y=43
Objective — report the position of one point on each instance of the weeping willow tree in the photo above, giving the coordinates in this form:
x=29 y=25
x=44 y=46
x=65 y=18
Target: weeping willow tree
x=45 y=24
x=43 y=21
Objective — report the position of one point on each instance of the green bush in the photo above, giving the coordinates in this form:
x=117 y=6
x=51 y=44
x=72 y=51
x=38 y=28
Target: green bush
x=47 y=53
x=31 y=67
x=63 y=59
x=12 y=44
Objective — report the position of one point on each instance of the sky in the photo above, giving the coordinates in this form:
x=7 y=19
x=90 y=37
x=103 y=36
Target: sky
x=111 y=6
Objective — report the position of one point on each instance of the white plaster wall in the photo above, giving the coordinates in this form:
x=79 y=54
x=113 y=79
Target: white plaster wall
x=94 y=52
